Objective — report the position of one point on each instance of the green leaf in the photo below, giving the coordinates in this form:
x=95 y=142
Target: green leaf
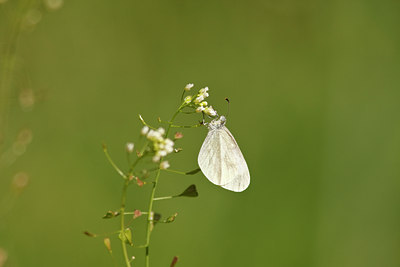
x=193 y=172
x=191 y=191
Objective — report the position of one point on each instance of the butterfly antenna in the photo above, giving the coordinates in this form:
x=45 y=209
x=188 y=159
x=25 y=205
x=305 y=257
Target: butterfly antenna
x=227 y=100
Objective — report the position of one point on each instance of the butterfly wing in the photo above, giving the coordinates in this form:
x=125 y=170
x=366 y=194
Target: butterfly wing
x=222 y=162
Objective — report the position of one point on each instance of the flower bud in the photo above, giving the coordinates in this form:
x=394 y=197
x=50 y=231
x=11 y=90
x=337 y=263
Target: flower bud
x=178 y=135
x=130 y=147
x=188 y=99
x=144 y=130
x=164 y=165
x=189 y=86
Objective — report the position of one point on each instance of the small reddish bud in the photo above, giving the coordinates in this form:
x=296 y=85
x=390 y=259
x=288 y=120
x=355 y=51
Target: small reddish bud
x=139 y=182
x=174 y=261
x=136 y=214
x=178 y=135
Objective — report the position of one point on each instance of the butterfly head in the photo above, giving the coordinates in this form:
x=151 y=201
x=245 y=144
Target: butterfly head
x=217 y=123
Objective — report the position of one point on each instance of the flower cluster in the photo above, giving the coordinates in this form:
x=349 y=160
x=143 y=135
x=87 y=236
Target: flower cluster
x=199 y=103
x=162 y=146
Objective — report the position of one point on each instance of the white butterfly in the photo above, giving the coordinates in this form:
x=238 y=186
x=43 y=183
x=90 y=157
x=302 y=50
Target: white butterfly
x=221 y=160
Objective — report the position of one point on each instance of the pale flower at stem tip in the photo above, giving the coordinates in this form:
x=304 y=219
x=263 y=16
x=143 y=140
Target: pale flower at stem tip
x=210 y=111
x=144 y=130
x=130 y=147
x=189 y=86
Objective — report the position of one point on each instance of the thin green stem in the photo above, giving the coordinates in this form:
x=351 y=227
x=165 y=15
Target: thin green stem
x=141 y=152
x=163 y=198
x=8 y=55
x=144 y=123
x=112 y=162
x=150 y=218
x=153 y=192
x=123 y=243
x=187 y=126
x=183 y=94
x=134 y=165
x=133 y=213
x=175 y=171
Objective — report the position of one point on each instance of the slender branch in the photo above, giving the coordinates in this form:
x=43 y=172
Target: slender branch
x=163 y=198
x=123 y=243
x=187 y=126
x=183 y=94
x=112 y=162
x=150 y=218
x=153 y=191
x=183 y=173
x=144 y=123
x=174 y=171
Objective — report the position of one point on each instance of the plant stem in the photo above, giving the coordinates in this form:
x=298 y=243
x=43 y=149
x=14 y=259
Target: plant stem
x=153 y=192
x=163 y=198
x=150 y=218
x=123 y=201
x=10 y=41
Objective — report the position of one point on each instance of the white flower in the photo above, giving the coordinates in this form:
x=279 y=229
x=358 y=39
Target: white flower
x=189 y=86
x=169 y=142
x=164 y=165
x=156 y=158
x=188 y=99
x=169 y=145
x=204 y=90
x=210 y=111
x=144 y=130
x=129 y=147
x=200 y=109
x=162 y=153
x=161 y=131
x=203 y=104
x=154 y=136
x=199 y=99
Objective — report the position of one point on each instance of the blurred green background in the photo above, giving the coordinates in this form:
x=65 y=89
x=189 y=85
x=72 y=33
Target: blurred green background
x=314 y=90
